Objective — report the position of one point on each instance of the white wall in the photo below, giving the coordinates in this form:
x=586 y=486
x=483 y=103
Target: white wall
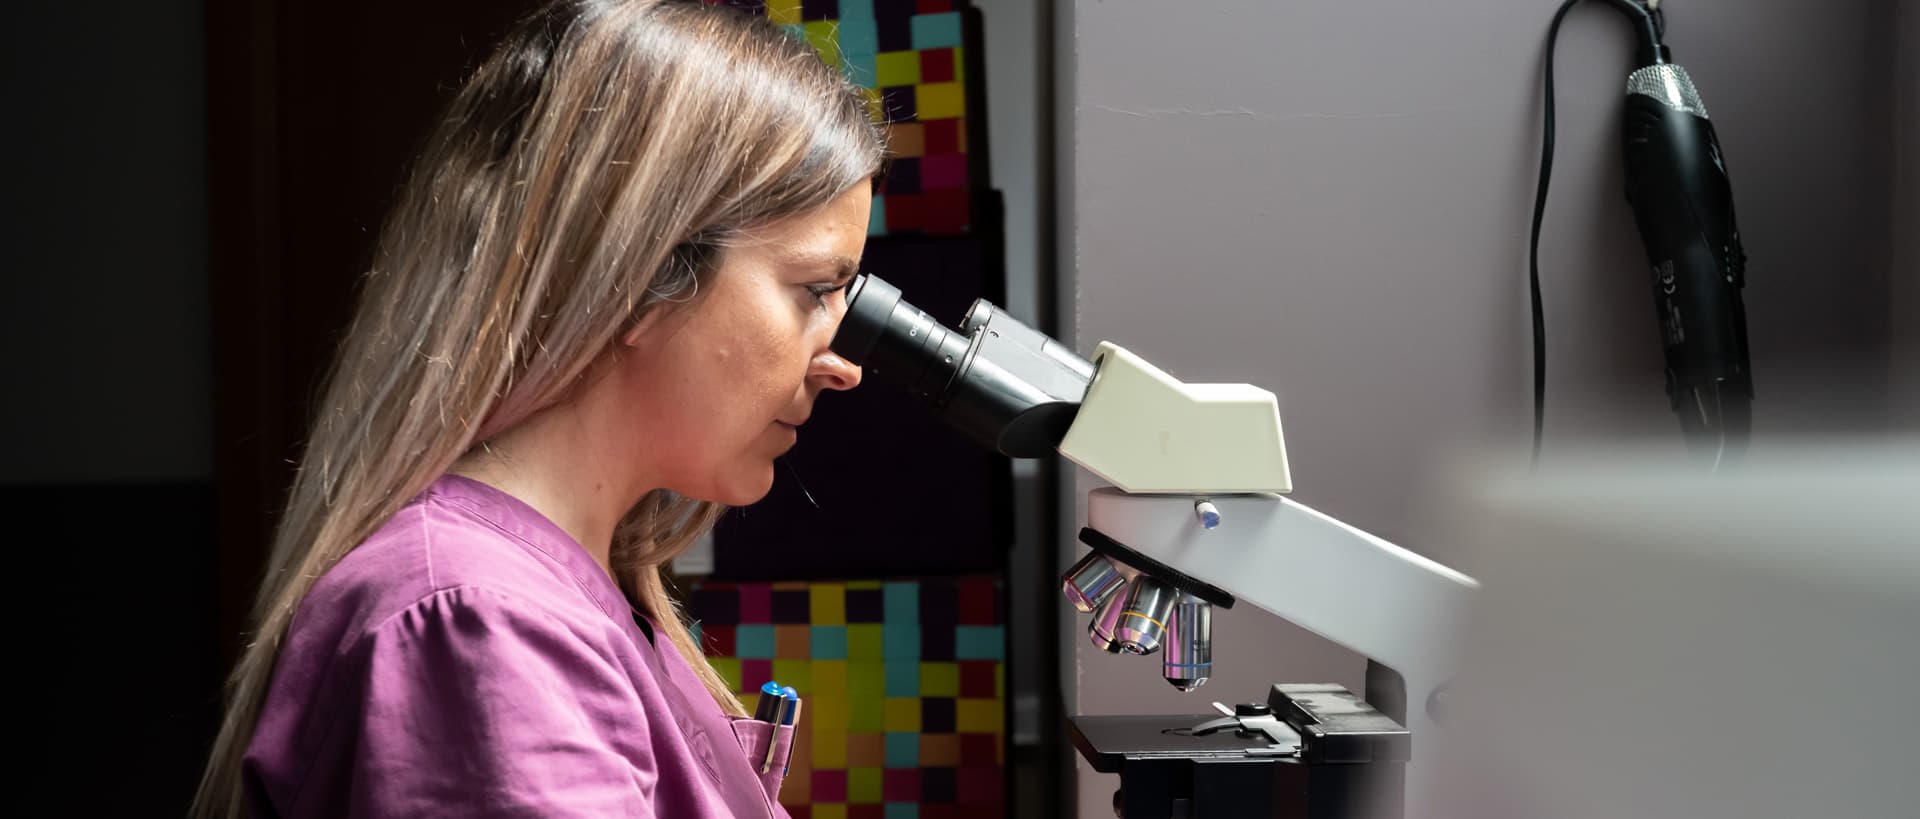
x=1331 y=200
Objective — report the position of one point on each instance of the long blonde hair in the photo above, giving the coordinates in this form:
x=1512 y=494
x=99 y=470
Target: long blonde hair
x=594 y=167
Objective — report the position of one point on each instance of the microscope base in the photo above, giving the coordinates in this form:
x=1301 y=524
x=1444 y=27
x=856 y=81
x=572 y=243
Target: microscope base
x=1350 y=762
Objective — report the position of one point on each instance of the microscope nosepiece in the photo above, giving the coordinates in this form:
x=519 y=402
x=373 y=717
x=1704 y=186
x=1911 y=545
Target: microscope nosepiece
x=1189 y=657
x=1106 y=623
x=1143 y=624
x=1091 y=582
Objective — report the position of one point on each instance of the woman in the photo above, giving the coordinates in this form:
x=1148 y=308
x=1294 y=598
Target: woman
x=599 y=312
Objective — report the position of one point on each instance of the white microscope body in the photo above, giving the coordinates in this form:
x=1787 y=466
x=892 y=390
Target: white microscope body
x=1198 y=473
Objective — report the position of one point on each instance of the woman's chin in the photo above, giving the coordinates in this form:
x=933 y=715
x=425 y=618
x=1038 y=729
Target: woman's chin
x=744 y=489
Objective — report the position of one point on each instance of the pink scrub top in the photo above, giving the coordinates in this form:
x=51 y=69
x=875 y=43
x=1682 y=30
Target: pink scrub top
x=471 y=659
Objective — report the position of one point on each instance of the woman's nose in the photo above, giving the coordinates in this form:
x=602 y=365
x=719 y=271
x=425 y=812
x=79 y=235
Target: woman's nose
x=834 y=372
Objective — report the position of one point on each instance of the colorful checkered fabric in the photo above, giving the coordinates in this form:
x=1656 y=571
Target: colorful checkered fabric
x=910 y=56
x=904 y=685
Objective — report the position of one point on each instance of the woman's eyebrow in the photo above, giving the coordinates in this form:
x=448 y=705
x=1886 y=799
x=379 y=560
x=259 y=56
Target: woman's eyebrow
x=843 y=268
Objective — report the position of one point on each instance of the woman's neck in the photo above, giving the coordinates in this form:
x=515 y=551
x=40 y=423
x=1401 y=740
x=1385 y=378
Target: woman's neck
x=555 y=463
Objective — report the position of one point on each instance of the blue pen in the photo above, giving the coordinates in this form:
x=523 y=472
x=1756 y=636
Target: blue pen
x=789 y=707
x=792 y=701
x=792 y=716
x=772 y=700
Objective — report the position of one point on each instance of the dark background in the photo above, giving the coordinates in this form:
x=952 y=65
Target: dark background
x=195 y=188
x=199 y=188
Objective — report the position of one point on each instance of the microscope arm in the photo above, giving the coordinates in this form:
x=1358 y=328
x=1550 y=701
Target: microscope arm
x=1386 y=603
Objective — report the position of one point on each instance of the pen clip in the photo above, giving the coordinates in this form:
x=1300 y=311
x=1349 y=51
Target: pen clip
x=788 y=708
x=793 y=720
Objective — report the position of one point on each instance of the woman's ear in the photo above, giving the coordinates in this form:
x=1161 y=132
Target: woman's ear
x=681 y=289
x=657 y=320
x=650 y=318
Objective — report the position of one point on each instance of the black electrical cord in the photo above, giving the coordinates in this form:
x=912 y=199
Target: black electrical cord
x=1650 y=25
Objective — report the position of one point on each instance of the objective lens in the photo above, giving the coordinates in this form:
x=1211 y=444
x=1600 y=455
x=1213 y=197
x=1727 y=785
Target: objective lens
x=1106 y=622
x=1189 y=658
x=1091 y=581
x=1143 y=625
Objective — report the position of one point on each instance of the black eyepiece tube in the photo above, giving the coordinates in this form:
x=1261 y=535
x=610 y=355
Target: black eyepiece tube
x=896 y=340
x=1009 y=387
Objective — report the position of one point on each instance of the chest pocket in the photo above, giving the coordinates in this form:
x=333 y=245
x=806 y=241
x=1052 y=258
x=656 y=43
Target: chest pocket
x=754 y=737
x=718 y=754
x=744 y=754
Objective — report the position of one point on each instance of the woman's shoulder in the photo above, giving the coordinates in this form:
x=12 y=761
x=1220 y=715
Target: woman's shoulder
x=436 y=553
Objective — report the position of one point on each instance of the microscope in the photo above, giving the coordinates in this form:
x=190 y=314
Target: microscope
x=1195 y=520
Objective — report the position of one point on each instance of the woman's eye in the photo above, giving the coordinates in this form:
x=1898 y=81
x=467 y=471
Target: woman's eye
x=822 y=291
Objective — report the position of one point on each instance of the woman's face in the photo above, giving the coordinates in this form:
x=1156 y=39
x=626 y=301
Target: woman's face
x=719 y=386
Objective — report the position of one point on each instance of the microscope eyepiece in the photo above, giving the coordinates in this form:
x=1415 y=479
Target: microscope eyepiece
x=866 y=314
x=897 y=341
x=1006 y=385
